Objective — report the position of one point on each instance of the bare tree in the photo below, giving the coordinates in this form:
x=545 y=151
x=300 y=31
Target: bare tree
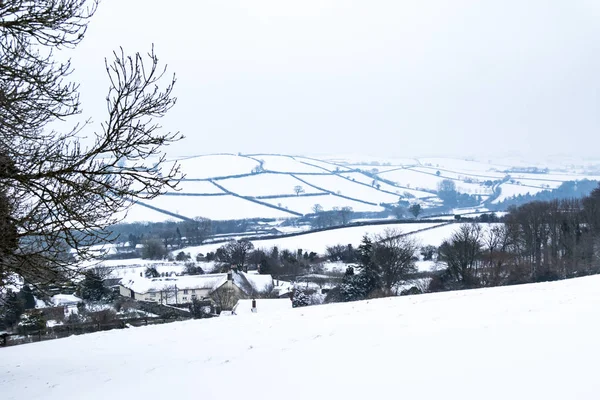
x=394 y=253
x=197 y=230
x=298 y=189
x=415 y=210
x=63 y=193
x=462 y=253
x=236 y=253
x=225 y=297
x=168 y=294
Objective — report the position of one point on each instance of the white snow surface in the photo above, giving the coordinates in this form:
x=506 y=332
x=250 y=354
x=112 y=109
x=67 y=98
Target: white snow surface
x=215 y=207
x=305 y=204
x=284 y=163
x=65 y=299
x=197 y=187
x=418 y=179
x=510 y=190
x=346 y=187
x=319 y=241
x=216 y=165
x=263 y=306
x=534 y=341
x=265 y=185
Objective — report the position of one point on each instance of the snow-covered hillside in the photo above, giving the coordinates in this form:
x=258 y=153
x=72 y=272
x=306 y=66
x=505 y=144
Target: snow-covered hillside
x=522 y=342
x=230 y=186
x=319 y=241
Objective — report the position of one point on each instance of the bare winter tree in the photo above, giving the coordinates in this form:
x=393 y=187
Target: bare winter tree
x=62 y=192
x=236 y=253
x=462 y=253
x=394 y=253
x=225 y=297
x=317 y=208
x=168 y=294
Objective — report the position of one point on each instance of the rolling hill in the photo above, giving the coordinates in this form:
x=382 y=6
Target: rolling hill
x=229 y=186
x=519 y=342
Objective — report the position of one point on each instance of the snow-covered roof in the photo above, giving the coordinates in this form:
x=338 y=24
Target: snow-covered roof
x=283 y=287
x=249 y=284
x=65 y=299
x=252 y=283
x=244 y=306
x=145 y=285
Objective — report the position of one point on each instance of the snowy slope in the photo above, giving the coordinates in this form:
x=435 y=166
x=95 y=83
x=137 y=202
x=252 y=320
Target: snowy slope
x=214 y=165
x=510 y=190
x=194 y=187
x=359 y=177
x=286 y=164
x=346 y=187
x=319 y=241
x=429 y=181
x=215 y=207
x=265 y=185
x=305 y=204
x=520 y=342
x=239 y=175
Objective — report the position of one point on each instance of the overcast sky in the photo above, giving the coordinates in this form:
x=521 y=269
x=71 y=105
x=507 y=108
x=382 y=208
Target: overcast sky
x=389 y=78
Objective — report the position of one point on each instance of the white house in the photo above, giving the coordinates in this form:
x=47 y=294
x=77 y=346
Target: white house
x=225 y=289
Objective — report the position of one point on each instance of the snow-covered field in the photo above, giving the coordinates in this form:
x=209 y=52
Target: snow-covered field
x=360 y=177
x=286 y=164
x=521 y=342
x=418 y=179
x=346 y=187
x=319 y=241
x=215 y=165
x=265 y=185
x=215 y=207
x=328 y=174
x=509 y=190
x=305 y=204
x=202 y=187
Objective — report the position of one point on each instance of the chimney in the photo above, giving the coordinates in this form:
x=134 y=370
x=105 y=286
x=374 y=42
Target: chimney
x=230 y=276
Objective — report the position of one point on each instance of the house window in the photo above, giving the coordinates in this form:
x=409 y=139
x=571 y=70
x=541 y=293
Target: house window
x=184 y=298
x=185 y=292
x=152 y=294
x=193 y=291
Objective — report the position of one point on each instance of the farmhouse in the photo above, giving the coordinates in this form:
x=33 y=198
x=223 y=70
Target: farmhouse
x=224 y=289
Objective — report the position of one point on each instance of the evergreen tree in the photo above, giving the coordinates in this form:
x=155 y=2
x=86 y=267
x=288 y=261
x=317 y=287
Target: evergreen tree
x=370 y=274
x=11 y=310
x=32 y=322
x=26 y=294
x=92 y=288
x=300 y=298
x=151 y=272
x=265 y=267
x=352 y=287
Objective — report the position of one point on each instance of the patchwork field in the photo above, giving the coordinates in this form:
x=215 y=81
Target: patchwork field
x=230 y=186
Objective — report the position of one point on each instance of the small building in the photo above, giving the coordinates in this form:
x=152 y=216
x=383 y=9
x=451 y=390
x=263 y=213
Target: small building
x=67 y=301
x=224 y=289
